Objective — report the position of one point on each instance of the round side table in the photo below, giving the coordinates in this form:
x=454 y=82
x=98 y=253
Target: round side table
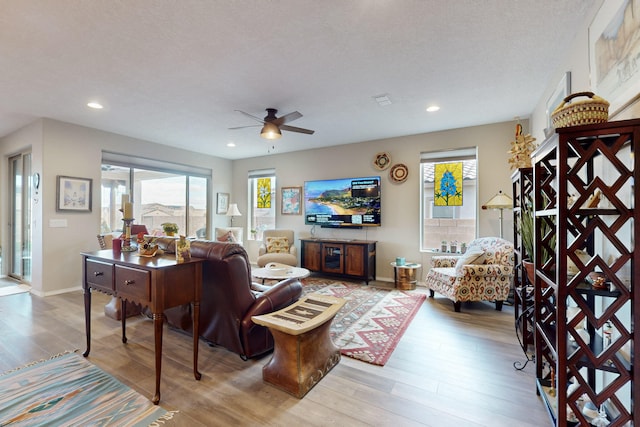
x=404 y=276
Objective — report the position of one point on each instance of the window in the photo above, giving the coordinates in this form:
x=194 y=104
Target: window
x=448 y=211
x=262 y=201
x=160 y=193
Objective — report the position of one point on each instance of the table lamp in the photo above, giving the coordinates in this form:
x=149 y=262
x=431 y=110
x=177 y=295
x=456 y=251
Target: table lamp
x=233 y=211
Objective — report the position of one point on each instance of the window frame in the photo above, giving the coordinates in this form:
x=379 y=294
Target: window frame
x=426 y=203
x=189 y=173
x=255 y=226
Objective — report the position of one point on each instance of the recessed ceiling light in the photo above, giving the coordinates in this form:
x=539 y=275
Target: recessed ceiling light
x=432 y=108
x=231 y=144
x=95 y=105
x=382 y=100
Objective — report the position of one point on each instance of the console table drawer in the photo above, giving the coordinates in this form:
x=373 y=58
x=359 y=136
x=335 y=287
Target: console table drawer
x=99 y=275
x=133 y=282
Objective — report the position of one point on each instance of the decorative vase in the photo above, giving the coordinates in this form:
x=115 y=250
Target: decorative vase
x=443 y=248
x=183 y=249
x=453 y=248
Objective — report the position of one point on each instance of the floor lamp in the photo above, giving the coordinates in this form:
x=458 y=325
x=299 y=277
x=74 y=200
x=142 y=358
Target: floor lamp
x=500 y=201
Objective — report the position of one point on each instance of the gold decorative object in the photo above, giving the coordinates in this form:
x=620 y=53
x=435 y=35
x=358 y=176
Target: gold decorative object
x=521 y=149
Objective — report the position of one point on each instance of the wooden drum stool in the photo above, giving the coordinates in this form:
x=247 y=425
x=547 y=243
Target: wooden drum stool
x=303 y=351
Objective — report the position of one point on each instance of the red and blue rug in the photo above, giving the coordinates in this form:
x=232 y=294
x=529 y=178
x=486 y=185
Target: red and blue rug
x=372 y=322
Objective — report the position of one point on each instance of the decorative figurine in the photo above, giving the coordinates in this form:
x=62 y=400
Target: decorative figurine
x=183 y=249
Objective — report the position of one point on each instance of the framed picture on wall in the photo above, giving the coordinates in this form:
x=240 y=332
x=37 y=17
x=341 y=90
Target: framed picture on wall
x=222 y=205
x=291 y=200
x=614 y=46
x=73 y=194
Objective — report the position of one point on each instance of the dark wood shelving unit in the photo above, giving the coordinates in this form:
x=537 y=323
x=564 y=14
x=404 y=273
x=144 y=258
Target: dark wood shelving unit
x=585 y=334
x=522 y=183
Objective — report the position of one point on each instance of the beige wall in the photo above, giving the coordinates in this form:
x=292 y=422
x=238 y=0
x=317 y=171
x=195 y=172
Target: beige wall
x=65 y=149
x=399 y=234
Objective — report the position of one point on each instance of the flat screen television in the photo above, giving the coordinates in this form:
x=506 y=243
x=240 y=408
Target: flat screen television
x=345 y=202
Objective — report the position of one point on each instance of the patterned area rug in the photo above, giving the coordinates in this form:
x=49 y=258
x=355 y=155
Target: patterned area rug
x=69 y=390
x=371 y=323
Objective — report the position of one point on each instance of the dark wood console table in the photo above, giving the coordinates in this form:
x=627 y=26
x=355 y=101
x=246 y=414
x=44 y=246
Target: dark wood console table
x=340 y=257
x=158 y=283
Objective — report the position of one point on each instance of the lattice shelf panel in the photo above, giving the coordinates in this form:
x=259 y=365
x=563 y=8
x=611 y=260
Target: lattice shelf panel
x=585 y=308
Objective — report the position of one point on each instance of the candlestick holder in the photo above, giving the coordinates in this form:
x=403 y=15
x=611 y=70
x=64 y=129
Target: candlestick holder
x=126 y=240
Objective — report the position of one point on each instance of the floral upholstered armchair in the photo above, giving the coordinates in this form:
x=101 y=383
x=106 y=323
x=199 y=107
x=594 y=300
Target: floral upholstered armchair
x=483 y=273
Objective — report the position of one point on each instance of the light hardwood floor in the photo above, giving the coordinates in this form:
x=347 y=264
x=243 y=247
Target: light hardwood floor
x=449 y=369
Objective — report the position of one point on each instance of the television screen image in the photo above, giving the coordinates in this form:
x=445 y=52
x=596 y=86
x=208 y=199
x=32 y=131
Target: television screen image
x=346 y=202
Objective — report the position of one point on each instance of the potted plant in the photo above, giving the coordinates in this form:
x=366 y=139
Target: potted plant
x=527 y=234
x=169 y=228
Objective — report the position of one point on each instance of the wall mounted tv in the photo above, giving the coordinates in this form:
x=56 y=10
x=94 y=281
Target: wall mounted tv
x=346 y=202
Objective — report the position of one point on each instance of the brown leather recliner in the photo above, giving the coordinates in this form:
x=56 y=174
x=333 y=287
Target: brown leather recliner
x=229 y=299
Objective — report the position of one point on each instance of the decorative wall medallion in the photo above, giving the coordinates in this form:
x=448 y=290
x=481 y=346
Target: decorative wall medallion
x=399 y=173
x=382 y=161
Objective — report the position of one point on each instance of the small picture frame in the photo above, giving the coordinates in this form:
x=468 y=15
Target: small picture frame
x=222 y=205
x=291 y=200
x=73 y=194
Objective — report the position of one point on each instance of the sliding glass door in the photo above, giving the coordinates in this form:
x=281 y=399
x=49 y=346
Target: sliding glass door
x=21 y=218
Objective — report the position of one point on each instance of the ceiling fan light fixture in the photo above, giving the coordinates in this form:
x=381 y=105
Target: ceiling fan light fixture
x=270 y=131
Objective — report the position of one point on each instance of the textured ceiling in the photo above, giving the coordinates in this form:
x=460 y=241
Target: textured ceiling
x=174 y=72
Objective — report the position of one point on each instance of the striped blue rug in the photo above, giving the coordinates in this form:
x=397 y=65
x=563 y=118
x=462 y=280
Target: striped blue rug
x=68 y=390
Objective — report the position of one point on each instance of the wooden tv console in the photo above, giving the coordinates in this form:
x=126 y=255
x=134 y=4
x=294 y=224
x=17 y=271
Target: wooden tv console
x=354 y=259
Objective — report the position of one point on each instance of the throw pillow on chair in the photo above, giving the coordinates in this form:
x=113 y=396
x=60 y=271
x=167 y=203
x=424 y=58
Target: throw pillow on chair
x=277 y=245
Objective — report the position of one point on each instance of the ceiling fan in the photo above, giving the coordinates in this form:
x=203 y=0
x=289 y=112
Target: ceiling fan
x=272 y=125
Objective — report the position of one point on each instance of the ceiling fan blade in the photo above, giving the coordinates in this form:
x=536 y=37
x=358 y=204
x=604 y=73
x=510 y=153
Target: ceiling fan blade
x=249 y=115
x=242 y=127
x=287 y=118
x=295 y=129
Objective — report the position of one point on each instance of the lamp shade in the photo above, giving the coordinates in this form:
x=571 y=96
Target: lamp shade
x=499 y=201
x=270 y=131
x=233 y=210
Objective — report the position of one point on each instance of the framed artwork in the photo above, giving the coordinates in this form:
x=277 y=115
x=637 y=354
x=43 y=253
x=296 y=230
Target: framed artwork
x=448 y=184
x=559 y=94
x=73 y=194
x=291 y=200
x=222 y=205
x=614 y=46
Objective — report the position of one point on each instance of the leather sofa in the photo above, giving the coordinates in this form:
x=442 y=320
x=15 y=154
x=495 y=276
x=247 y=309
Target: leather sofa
x=229 y=299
